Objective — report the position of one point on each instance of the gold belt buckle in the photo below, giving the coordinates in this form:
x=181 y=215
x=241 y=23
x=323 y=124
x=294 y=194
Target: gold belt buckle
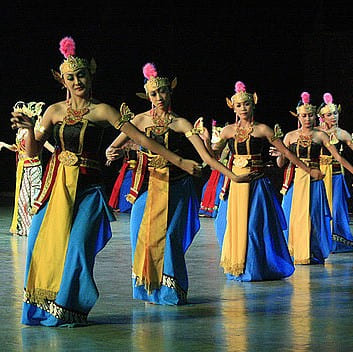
x=326 y=160
x=68 y=158
x=158 y=162
x=240 y=161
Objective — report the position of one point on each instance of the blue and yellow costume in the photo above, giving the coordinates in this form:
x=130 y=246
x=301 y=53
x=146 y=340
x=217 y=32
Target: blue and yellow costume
x=250 y=221
x=335 y=184
x=70 y=227
x=306 y=207
x=338 y=195
x=163 y=222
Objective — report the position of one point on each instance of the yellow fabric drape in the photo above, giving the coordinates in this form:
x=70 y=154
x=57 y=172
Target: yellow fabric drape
x=48 y=257
x=149 y=252
x=236 y=235
x=19 y=173
x=300 y=221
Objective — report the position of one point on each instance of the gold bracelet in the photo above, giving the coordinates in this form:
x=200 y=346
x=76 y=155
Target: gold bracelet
x=193 y=131
x=126 y=116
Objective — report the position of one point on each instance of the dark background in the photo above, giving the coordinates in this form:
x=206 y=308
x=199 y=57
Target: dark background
x=278 y=49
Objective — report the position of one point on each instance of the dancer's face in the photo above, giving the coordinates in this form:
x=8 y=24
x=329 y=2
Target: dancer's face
x=244 y=110
x=160 y=98
x=331 y=118
x=78 y=82
x=307 y=119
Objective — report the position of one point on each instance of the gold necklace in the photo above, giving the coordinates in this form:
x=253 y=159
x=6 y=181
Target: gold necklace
x=305 y=140
x=243 y=133
x=74 y=116
x=161 y=123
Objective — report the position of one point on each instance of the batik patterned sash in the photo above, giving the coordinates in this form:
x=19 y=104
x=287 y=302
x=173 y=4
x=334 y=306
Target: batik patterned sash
x=149 y=253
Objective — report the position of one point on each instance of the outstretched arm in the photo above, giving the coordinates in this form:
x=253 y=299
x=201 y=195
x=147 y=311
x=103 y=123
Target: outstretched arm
x=11 y=147
x=287 y=154
x=190 y=166
x=332 y=149
x=198 y=144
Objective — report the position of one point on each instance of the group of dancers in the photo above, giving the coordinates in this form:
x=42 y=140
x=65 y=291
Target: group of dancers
x=259 y=238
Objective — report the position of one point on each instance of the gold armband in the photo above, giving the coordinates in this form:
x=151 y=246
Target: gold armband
x=327 y=144
x=193 y=131
x=277 y=133
x=126 y=116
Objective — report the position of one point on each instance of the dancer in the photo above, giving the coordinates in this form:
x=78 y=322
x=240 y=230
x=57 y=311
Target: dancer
x=121 y=188
x=28 y=172
x=304 y=202
x=334 y=180
x=72 y=218
x=164 y=216
x=250 y=221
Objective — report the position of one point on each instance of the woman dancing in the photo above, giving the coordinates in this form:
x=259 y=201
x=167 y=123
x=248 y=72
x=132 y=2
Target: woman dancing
x=334 y=180
x=305 y=202
x=164 y=216
x=72 y=218
x=250 y=221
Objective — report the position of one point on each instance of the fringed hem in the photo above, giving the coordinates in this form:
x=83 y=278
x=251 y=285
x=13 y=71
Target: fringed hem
x=233 y=269
x=39 y=296
x=58 y=312
x=302 y=261
x=167 y=281
x=149 y=286
x=341 y=239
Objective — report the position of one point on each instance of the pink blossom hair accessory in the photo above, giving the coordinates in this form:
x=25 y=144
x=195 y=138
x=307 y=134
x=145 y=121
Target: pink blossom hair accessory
x=241 y=95
x=153 y=81
x=328 y=106
x=304 y=106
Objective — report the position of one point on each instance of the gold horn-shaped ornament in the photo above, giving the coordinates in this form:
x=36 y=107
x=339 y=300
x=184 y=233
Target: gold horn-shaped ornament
x=339 y=108
x=255 y=97
x=293 y=113
x=57 y=76
x=229 y=103
x=174 y=83
x=142 y=96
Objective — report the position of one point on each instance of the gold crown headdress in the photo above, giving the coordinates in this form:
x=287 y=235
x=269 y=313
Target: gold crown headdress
x=153 y=81
x=304 y=106
x=328 y=105
x=33 y=110
x=241 y=95
x=72 y=62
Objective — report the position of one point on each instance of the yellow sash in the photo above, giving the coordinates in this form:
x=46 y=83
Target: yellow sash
x=149 y=253
x=236 y=236
x=19 y=173
x=49 y=252
x=300 y=222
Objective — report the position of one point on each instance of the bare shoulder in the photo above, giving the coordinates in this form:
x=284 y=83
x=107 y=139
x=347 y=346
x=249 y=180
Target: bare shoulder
x=55 y=112
x=228 y=131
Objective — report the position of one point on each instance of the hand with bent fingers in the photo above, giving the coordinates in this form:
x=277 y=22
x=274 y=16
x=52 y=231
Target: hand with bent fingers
x=20 y=120
x=316 y=174
x=191 y=167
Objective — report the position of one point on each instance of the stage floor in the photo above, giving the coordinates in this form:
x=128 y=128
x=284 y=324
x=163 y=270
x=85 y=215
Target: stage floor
x=310 y=311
